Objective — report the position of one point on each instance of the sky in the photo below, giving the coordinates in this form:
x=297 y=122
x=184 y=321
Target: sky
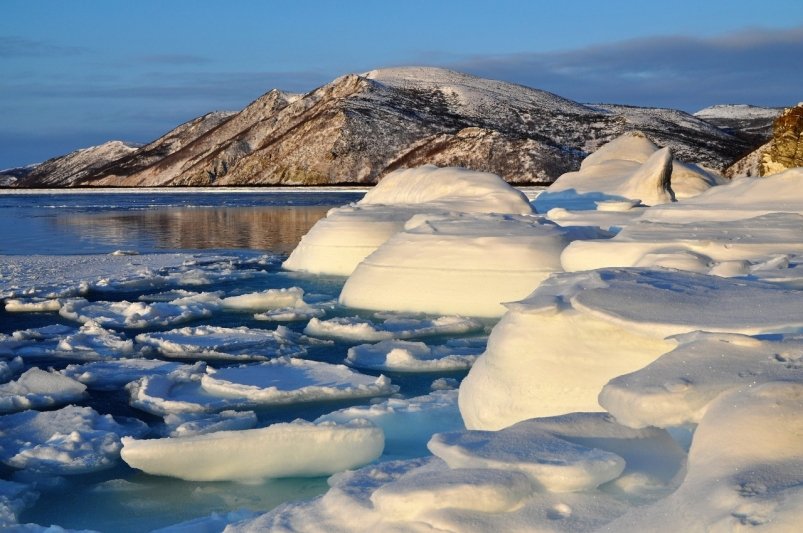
x=79 y=73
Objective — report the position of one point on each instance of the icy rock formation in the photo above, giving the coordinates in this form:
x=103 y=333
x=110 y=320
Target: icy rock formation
x=460 y=264
x=337 y=243
x=298 y=449
x=554 y=351
x=629 y=168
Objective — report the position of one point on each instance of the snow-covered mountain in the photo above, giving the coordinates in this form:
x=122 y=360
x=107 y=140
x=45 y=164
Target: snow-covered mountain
x=752 y=123
x=358 y=128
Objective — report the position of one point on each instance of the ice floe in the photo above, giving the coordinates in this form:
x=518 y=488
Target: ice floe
x=37 y=388
x=464 y=264
x=71 y=440
x=393 y=327
x=410 y=356
x=9 y=369
x=201 y=389
x=189 y=424
x=554 y=351
x=134 y=315
x=214 y=342
x=14 y=498
x=337 y=243
x=679 y=386
x=114 y=374
x=298 y=449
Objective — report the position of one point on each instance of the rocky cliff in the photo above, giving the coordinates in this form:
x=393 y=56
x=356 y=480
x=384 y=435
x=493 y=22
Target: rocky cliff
x=360 y=127
x=783 y=151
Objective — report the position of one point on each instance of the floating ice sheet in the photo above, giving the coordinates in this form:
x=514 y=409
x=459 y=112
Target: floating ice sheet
x=72 y=440
x=114 y=374
x=298 y=449
x=408 y=356
x=38 y=388
x=393 y=327
x=134 y=315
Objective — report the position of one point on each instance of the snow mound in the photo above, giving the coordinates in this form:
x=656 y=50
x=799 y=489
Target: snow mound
x=36 y=389
x=201 y=389
x=554 y=351
x=395 y=327
x=744 y=468
x=408 y=423
x=459 y=264
x=631 y=167
x=407 y=356
x=679 y=387
x=713 y=242
x=224 y=343
x=298 y=449
x=336 y=244
x=72 y=440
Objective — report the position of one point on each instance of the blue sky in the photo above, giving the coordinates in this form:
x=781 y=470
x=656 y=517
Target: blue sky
x=82 y=72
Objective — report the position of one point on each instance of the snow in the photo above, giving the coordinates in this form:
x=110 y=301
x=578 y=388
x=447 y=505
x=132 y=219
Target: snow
x=679 y=387
x=202 y=389
x=72 y=440
x=114 y=374
x=744 y=467
x=298 y=449
x=393 y=327
x=134 y=315
x=37 y=388
x=189 y=424
x=459 y=264
x=10 y=368
x=737 y=111
x=409 y=356
x=554 y=351
x=214 y=342
x=631 y=167
x=14 y=498
x=709 y=242
x=336 y=244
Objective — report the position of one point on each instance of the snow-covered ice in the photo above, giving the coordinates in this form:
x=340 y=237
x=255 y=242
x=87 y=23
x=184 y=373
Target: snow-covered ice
x=298 y=449
x=337 y=243
x=411 y=356
x=554 y=351
x=679 y=387
x=37 y=388
x=134 y=315
x=189 y=424
x=465 y=264
x=200 y=388
x=71 y=440
x=392 y=327
x=214 y=342
x=114 y=374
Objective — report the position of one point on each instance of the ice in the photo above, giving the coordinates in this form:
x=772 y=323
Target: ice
x=408 y=423
x=337 y=243
x=214 y=342
x=280 y=381
x=465 y=264
x=136 y=315
x=745 y=468
x=265 y=300
x=35 y=341
x=9 y=369
x=38 y=388
x=298 y=449
x=739 y=199
x=630 y=167
x=168 y=296
x=36 y=305
x=114 y=374
x=407 y=356
x=189 y=424
x=569 y=453
x=214 y=523
x=90 y=342
x=612 y=221
x=670 y=244
x=679 y=387
x=394 y=327
x=554 y=351
x=72 y=440
x=14 y=498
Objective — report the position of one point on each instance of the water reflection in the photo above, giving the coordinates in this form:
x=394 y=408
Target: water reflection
x=277 y=229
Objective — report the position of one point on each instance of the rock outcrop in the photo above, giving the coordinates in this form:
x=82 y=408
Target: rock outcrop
x=783 y=151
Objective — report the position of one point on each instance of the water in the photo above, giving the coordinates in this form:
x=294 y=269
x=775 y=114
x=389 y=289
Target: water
x=240 y=226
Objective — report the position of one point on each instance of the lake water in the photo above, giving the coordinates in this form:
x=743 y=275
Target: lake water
x=240 y=240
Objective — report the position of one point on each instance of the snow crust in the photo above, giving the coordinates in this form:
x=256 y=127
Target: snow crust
x=337 y=243
x=464 y=264
x=298 y=449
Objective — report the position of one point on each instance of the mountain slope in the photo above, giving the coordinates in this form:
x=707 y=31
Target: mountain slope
x=66 y=170
x=360 y=127
x=752 y=123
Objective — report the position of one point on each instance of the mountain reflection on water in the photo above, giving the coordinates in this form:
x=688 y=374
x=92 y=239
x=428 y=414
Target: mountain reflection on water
x=277 y=229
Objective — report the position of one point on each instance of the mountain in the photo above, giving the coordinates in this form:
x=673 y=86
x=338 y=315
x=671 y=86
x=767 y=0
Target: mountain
x=360 y=127
x=66 y=170
x=752 y=123
x=783 y=151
